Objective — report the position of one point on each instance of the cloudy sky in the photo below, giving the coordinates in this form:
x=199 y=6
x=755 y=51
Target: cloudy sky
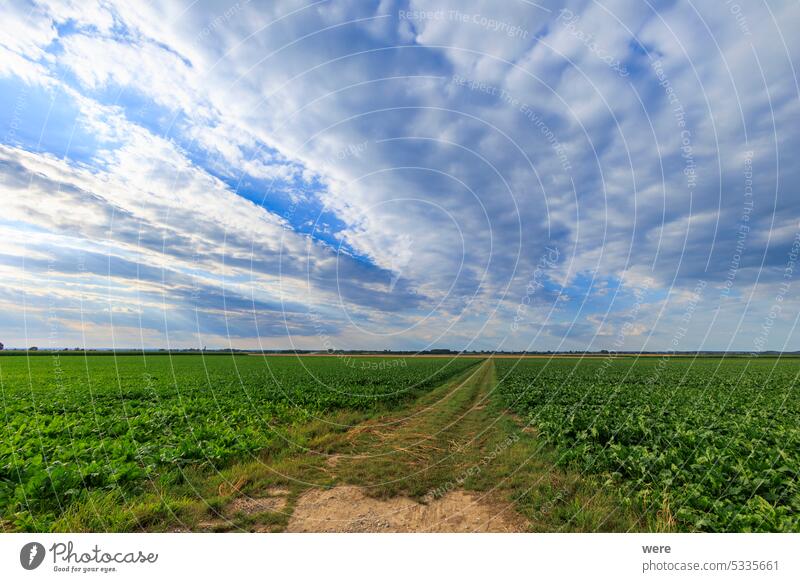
x=399 y=174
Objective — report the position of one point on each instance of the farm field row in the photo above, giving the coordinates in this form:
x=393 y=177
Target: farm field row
x=609 y=444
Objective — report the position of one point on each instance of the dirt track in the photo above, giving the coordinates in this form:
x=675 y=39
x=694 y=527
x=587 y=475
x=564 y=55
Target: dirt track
x=416 y=443
x=454 y=460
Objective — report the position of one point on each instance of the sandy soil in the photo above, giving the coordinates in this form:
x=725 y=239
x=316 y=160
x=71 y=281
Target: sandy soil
x=254 y=505
x=348 y=509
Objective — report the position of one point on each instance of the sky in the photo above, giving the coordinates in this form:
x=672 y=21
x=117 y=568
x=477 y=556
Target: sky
x=348 y=174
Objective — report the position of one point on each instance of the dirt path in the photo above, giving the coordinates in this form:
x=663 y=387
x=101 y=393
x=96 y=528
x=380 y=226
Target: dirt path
x=347 y=508
x=408 y=470
x=452 y=461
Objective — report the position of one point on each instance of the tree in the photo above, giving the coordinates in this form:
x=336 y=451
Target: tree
x=1 y=346
x=33 y=349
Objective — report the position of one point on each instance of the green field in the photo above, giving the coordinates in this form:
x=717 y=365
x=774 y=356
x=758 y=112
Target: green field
x=156 y=442
x=707 y=444
x=73 y=424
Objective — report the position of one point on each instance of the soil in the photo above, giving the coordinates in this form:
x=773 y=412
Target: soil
x=254 y=505
x=348 y=509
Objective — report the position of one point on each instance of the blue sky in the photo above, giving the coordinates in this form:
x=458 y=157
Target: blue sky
x=399 y=174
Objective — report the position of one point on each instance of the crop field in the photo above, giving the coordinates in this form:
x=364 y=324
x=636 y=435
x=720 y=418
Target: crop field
x=76 y=424
x=706 y=444
x=609 y=444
